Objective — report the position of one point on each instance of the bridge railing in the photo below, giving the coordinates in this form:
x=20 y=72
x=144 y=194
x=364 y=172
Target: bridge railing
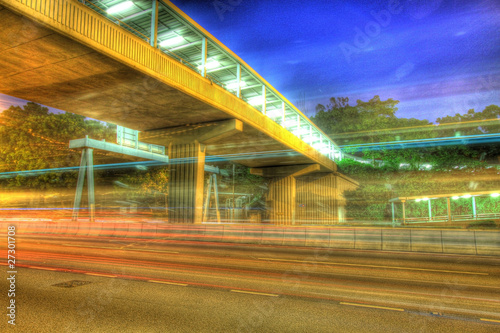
x=137 y=45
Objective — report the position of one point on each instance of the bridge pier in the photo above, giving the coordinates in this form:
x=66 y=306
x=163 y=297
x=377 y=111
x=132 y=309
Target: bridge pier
x=305 y=194
x=186 y=181
x=187 y=149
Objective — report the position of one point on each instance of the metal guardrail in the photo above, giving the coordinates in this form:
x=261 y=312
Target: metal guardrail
x=470 y=242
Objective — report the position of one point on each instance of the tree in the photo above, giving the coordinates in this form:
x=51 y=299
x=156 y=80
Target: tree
x=31 y=138
x=472 y=123
x=366 y=122
x=428 y=169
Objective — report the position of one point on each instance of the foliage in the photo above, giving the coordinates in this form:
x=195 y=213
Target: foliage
x=379 y=184
x=148 y=182
x=31 y=138
x=489 y=224
x=366 y=122
x=255 y=186
x=472 y=122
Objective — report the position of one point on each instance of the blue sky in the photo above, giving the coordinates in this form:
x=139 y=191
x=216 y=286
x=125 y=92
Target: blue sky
x=437 y=57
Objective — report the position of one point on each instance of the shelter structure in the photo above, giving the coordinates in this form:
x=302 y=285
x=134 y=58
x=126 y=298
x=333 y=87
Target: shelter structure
x=449 y=216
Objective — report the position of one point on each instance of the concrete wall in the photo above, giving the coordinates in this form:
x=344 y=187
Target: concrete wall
x=472 y=242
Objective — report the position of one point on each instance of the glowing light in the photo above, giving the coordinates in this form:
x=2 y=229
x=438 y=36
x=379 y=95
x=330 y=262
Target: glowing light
x=466 y=196
x=425 y=199
x=274 y=113
x=255 y=101
x=417 y=200
x=290 y=123
x=211 y=64
x=120 y=7
x=300 y=132
x=172 y=41
x=456 y=197
x=234 y=85
x=495 y=195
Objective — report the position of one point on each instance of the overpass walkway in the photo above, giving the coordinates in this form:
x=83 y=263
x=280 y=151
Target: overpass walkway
x=149 y=67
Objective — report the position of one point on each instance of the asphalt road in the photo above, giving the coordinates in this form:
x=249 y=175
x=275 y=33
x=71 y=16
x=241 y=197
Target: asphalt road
x=168 y=286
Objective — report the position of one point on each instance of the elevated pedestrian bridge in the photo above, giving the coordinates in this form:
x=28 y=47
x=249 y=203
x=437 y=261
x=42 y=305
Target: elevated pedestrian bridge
x=147 y=66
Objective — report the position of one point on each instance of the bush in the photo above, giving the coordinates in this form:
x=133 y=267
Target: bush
x=490 y=224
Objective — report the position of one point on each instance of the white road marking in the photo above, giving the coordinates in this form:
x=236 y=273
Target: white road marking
x=252 y=292
x=372 y=306
x=490 y=320
x=171 y=283
x=104 y=275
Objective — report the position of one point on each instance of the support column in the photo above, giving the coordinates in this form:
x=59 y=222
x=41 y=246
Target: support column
x=474 y=212
x=448 y=204
x=404 y=212
x=90 y=183
x=204 y=49
x=185 y=197
x=154 y=24
x=282 y=197
x=302 y=194
x=86 y=167
x=264 y=106
x=430 y=210
x=187 y=152
x=393 y=217
x=238 y=79
x=79 y=186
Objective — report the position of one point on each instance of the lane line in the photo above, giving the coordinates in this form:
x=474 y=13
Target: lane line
x=252 y=292
x=490 y=320
x=44 y=268
x=375 y=266
x=171 y=283
x=144 y=250
x=97 y=274
x=373 y=306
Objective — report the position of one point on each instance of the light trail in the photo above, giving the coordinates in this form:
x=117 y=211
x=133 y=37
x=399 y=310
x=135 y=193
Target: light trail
x=288 y=279
x=375 y=266
x=421 y=143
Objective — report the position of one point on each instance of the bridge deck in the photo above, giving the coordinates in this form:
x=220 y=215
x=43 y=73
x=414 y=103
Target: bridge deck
x=71 y=58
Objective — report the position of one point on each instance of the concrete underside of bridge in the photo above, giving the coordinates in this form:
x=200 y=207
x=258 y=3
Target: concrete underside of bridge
x=48 y=63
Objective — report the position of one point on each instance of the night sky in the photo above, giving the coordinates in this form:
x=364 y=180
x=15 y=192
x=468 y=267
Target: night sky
x=437 y=57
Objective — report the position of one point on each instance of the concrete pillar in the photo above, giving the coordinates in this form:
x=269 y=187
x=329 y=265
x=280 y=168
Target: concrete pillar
x=187 y=151
x=185 y=197
x=282 y=200
x=301 y=194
